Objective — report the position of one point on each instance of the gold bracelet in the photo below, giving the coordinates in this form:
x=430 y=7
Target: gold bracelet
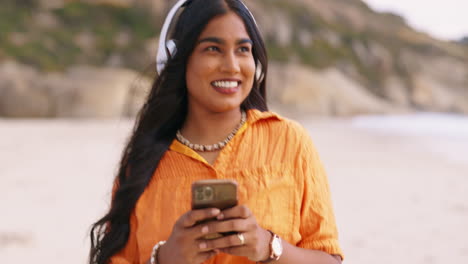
x=154 y=253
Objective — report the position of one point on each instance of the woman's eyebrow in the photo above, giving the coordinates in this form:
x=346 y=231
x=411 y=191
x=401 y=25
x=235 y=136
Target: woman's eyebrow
x=243 y=41
x=221 y=41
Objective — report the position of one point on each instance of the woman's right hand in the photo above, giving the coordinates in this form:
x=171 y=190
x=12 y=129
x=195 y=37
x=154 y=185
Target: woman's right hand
x=183 y=246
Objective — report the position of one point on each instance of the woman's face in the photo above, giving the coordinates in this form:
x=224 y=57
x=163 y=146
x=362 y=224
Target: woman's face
x=221 y=68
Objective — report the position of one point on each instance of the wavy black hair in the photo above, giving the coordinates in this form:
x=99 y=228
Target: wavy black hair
x=162 y=114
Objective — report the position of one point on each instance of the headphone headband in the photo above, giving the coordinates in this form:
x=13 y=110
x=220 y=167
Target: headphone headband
x=168 y=47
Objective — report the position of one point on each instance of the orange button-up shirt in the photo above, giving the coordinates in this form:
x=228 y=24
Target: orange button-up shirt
x=280 y=179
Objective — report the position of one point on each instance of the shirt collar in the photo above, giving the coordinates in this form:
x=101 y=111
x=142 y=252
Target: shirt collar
x=255 y=115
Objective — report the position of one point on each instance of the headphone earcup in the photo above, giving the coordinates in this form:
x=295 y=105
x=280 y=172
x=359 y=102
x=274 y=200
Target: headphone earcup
x=171 y=47
x=259 y=72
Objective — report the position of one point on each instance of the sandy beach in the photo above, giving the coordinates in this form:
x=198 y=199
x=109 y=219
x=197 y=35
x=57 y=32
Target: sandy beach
x=397 y=198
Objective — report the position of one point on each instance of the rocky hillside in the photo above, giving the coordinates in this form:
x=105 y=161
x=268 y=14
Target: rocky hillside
x=328 y=57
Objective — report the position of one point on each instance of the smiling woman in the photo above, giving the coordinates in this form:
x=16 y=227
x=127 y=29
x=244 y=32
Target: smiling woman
x=221 y=68
x=211 y=91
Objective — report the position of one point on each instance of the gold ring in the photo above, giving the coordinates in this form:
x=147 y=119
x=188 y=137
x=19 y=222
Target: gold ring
x=241 y=238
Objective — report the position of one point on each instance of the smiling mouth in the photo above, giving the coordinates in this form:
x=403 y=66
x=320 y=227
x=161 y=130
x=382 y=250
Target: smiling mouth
x=226 y=84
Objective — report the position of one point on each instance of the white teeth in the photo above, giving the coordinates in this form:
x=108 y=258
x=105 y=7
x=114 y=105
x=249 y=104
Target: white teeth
x=226 y=84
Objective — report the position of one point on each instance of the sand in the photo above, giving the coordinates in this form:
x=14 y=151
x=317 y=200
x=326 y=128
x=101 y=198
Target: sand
x=395 y=200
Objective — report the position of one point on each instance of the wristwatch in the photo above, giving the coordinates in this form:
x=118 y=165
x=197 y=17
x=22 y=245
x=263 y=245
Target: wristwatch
x=276 y=248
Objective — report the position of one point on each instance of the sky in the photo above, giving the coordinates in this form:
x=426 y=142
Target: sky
x=444 y=19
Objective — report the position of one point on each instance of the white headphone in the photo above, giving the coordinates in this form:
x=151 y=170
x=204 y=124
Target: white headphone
x=168 y=48
x=163 y=54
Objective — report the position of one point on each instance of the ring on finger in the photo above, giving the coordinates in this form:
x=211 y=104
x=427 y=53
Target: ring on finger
x=241 y=238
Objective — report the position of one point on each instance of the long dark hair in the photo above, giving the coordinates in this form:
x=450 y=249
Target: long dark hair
x=162 y=114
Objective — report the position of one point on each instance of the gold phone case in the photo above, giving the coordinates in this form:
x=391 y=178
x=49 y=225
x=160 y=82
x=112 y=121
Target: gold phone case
x=221 y=194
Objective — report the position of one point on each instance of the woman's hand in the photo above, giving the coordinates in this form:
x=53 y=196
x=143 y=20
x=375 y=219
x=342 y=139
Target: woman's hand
x=183 y=245
x=256 y=244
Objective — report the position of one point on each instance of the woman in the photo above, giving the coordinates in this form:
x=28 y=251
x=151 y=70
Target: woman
x=212 y=90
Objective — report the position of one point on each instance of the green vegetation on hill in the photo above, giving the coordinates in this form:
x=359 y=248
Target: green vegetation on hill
x=55 y=47
x=321 y=53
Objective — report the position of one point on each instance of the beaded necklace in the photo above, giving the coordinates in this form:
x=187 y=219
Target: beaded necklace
x=214 y=147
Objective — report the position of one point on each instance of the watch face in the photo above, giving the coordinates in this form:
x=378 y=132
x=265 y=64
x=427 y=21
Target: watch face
x=277 y=247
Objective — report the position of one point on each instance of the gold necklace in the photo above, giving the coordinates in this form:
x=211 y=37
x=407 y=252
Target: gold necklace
x=214 y=147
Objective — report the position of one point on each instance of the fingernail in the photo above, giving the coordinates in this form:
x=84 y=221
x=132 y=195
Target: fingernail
x=215 y=211
x=220 y=217
x=202 y=245
x=204 y=229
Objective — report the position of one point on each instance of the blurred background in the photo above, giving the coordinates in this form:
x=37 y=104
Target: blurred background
x=382 y=87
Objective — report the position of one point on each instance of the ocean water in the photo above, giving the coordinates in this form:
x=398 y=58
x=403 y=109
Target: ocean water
x=443 y=134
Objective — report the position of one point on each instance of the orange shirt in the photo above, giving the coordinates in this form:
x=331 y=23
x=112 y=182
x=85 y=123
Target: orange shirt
x=280 y=178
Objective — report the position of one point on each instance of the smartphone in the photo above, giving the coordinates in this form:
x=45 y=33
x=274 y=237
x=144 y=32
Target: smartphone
x=221 y=194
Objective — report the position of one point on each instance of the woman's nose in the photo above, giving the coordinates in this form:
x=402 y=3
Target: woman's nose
x=230 y=63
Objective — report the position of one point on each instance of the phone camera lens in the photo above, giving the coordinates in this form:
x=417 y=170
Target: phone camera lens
x=208 y=193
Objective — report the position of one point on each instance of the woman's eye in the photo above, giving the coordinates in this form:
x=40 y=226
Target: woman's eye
x=244 y=49
x=212 y=48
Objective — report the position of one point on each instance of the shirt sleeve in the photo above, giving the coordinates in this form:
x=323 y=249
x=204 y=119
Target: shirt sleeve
x=317 y=228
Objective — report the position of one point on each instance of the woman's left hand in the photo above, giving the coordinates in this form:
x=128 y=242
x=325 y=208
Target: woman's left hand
x=256 y=240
